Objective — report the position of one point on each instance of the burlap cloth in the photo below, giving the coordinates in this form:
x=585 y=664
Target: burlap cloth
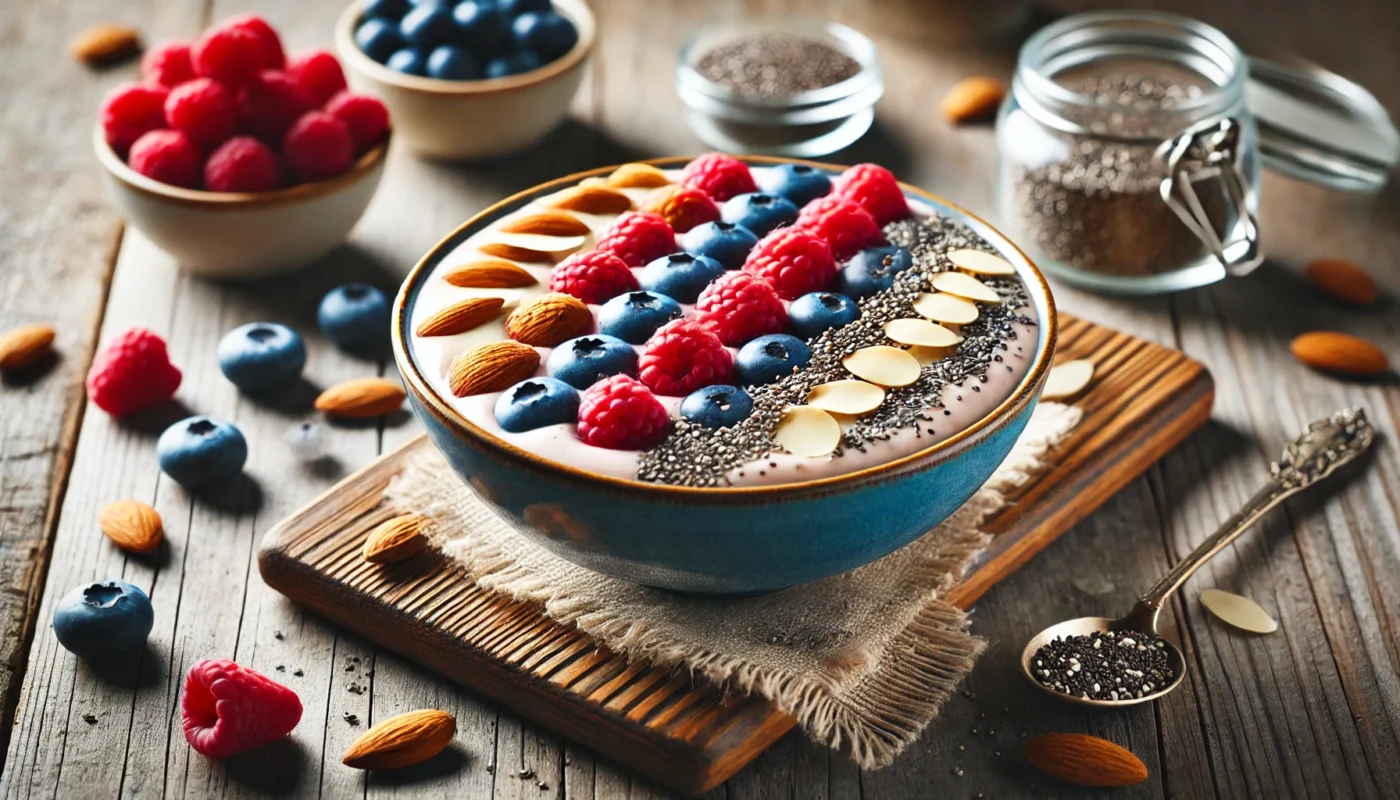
x=863 y=660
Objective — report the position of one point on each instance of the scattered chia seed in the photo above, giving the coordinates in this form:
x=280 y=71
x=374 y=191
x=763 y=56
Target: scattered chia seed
x=776 y=65
x=90 y=719
x=1103 y=666
x=350 y=718
x=298 y=673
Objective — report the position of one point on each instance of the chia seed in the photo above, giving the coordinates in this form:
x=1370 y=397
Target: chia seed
x=1103 y=665
x=776 y=65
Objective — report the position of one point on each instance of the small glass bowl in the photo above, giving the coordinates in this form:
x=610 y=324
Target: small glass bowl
x=802 y=125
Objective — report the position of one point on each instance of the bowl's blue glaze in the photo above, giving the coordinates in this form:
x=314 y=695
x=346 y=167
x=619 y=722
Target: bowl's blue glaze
x=735 y=540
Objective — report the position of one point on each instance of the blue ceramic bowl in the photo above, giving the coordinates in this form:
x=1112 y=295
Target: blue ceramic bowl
x=733 y=540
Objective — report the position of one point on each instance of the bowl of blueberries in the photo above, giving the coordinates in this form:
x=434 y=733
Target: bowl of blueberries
x=468 y=80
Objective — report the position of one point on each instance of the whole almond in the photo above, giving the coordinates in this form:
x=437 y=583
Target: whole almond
x=492 y=367
x=973 y=99
x=1085 y=760
x=631 y=176
x=1342 y=353
x=395 y=540
x=591 y=200
x=549 y=320
x=22 y=346
x=402 y=741
x=514 y=253
x=132 y=525
x=1343 y=280
x=460 y=317
x=547 y=223
x=105 y=42
x=361 y=398
x=490 y=274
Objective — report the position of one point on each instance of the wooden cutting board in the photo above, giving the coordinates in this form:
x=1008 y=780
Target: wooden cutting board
x=1144 y=399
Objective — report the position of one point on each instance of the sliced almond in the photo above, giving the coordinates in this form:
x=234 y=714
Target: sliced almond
x=492 y=367
x=846 y=397
x=981 y=262
x=883 y=365
x=1238 y=611
x=930 y=355
x=490 y=274
x=921 y=332
x=104 y=43
x=550 y=320
x=546 y=223
x=395 y=540
x=461 y=316
x=25 y=345
x=553 y=245
x=593 y=180
x=402 y=741
x=515 y=253
x=965 y=286
x=361 y=398
x=946 y=308
x=132 y=525
x=637 y=176
x=1067 y=379
x=807 y=432
x=591 y=200
x=973 y=99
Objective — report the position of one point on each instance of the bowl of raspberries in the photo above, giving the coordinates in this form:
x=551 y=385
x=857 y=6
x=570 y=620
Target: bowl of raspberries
x=236 y=159
x=468 y=79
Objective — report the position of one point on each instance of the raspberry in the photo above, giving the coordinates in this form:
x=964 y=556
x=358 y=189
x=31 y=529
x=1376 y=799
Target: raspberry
x=682 y=356
x=719 y=176
x=365 y=116
x=227 y=709
x=682 y=206
x=639 y=238
x=621 y=414
x=793 y=261
x=318 y=74
x=273 y=55
x=739 y=307
x=596 y=276
x=242 y=164
x=873 y=188
x=230 y=56
x=133 y=372
x=170 y=157
x=845 y=226
x=167 y=64
x=130 y=112
x=317 y=146
x=270 y=103
x=203 y=110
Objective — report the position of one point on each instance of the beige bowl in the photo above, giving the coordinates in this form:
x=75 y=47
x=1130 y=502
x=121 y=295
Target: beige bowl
x=467 y=120
x=241 y=236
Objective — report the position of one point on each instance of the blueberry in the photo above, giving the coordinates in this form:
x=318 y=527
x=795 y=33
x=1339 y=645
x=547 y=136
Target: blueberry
x=428 y=25
x=717 y=406
x=379 y=39
x=408 y=61
x=768 y=358
x=261 y=356
x=513 y=64
x=584 y=361
x=452 y=62
x=512 y=8
x=199 y=452
x=635 y=316
x=813 y=313
x=482 y=27
x=535 y=403
x=725 y=242
x=103 y=619
x=681 y=276
x=872 y=270
x=546 y=33
x=389 y=10
x=758 y=212
x=797 y=182
x=353 y=316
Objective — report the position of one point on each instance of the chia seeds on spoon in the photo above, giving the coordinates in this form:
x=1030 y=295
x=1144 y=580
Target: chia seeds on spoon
x=776 y=65
x=1104 y=665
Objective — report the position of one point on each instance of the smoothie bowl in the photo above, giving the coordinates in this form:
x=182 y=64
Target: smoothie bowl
x=724 y=376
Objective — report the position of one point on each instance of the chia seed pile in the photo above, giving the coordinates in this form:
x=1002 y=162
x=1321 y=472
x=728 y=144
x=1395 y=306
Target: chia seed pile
x=1104 y=666
x=776 y=65
x=694 y=455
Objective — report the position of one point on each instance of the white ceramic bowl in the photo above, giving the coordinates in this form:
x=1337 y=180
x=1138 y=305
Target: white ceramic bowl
x=240 y=236
x=470 y=120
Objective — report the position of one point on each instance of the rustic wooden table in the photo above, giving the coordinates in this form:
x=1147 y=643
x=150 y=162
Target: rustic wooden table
x=1313 y=710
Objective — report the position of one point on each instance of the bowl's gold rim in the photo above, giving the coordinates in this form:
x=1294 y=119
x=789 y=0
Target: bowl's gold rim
x=999 y=416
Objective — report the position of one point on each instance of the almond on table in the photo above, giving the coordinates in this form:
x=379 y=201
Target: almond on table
x=105 y=42
x=1343 y=280
x=973 y=99
x=25 y=345
x=402 y=740
x=132 y=525
x=361 y=398
x=1340 y=353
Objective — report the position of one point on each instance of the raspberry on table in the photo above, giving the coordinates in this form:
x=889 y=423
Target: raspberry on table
x=595 y=277
x=227 y=709
x=739 y=307
x=130 y=112
x=242 y=164
x=168 y=156
x=793 y=261
x=273 y=54
x=231 y=56
x=621 y=414
x=318 y=146
x=682 y=206
x=719 y=176
x=682 y=356
x=874 y=188
x=365 y=116
x=269 y=104
x=638 y=238
x=318 y=74
x=845 y=226
x=203 y=110
x=131 y=373
x=167 y=64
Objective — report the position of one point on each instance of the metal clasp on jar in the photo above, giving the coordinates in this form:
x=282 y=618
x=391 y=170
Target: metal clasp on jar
x=1207 y=152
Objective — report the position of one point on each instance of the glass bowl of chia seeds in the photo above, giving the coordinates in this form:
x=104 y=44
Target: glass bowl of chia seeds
x=785 y=86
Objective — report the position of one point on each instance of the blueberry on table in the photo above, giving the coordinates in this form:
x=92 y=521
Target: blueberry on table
x=680 y=276
x=354 y=316
x=388 y=10
x=725 y=242
x=379 y=39
x=717 y=406
x=584 y=361
x=452 y=62
x=513 y=64
x=428 y=25
x=811 y=314
x=482 y=27
x=872 y=270
x=512 y=8
x=634 y=316
x=408 y=61
x=758 y=212
x=199 y=452
x=546 y=33
x=771 y=357
x=797 y=182
x=535 y=403
x=103 y=619
x=261 y=356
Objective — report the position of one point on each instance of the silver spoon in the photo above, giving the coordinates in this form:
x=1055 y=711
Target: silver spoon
x=1326 y=445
